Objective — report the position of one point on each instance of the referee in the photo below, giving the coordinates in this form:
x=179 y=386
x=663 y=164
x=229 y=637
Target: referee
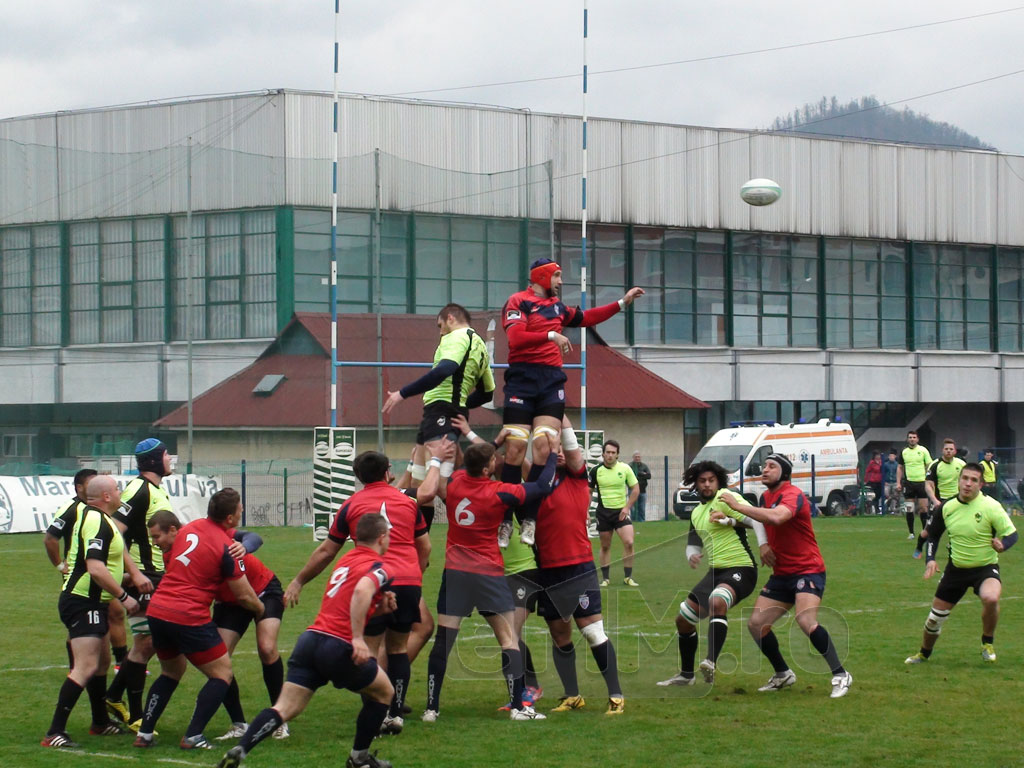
x=910 y=476
x=617 y=492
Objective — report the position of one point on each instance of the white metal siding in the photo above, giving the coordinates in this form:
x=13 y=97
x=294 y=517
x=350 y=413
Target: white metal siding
x=274 y=148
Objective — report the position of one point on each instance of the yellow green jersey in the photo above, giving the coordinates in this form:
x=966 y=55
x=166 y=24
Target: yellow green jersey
x=946 y=476
x=613 y=484
x=464 y=347
x=990 y=471
x=971 y=526
x=518 y=557
x=724 y=546
x=915 y=463
x=94 y=537
x=140 y=500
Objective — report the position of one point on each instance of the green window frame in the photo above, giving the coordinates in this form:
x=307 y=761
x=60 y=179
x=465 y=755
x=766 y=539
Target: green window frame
x=865 y=294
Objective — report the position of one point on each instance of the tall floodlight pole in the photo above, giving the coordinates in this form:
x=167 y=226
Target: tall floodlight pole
x=334 y=230
x=583 y=238
x=189 y=269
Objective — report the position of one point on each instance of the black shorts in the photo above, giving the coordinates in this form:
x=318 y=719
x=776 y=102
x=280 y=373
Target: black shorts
x=956 y=581
x=525 y=588
x=143 y=600
x=742 y=580
x=200 y=643
x=533 y=390
x=608 y=519
x=785 y=588
x=914 y=489
x=462 y=591
x=83 y=617
x=437 y=422
x=318 y=659
x=403 y=617
x=569 y=591
x=236 y=618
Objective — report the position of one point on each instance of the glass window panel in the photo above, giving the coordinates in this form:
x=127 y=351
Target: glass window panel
x=310 y=290
x=710 y=329
x=117 y=295
x=468 y=260
x=46 y=237
x=224 y=256
x=84 y=297
x=774 y=274
x=356 y=224
x=837 y=305
x=864 y=277
x=710 y=271
x=604 y=295
x=353 y=256
x=393 y=291
x=198 y=323
x=46 y=299
x=647 y=327
x=708 y=242
x=745 y=272
x=745 y=303
x=775 y=332
x=260 y=320
x=498 y=293
x=978 y=336
x=865 y=334
x=805 y=332
x=865 y=307
x=224 y=224
x=436 y=227
x=978 y=282
x=83 y=233
x=85 y=327
x=46 y=266
x=116 y=231
x=647 y=268
x=149 y=229
x=926 y=310
x=679 y=269
x=775 y=304
x=951 y=309
x=503 y=262
x=431 y=294
x=149 y=261
x=804 y=275
x=260 y=288
x=710 y=303
x=977 y=311
x=951 y=335
x=894 y=276
x=45 y=327
x=837 y=276
x=605 y=236
x=951 y=255
x=676 y=299
x=469 y=229
x=837 y=248
x=743 y=242
x=686 y=240
x=260 y=253
x=149 y=294
x=394 y=255
x=924 y=280
x=1009 y=337
x=610 y=267
x=85 y=264
x=863 y=250
x=181 y=229
x=504 y=231
x=648 y=238
x=116 y=261
x=924 y=253
x=16 y=330
x=15 y=269
x=614 y=330
x=225 y=321
x=15 y=300
x=1009 y=310
x=150 y=324
x=679 y=329
x=432 y=258
x=224 y=290
x=805 y=305
x=744 y=331
x=951 y=281
x=925 y=334
x=349 y=289
x=116 y=325
x=395 y=225
x=837 y=333
x=894 y=309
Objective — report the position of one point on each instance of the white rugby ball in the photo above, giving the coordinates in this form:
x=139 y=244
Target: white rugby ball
x=760 y=192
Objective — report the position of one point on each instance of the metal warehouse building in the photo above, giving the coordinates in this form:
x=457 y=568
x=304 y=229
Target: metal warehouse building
x=884 y=288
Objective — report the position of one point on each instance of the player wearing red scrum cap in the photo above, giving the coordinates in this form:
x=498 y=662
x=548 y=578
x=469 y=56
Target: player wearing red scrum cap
x=534 y=381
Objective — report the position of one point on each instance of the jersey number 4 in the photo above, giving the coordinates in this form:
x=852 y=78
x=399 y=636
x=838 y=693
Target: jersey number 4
x=337 y=579
x=193 y=542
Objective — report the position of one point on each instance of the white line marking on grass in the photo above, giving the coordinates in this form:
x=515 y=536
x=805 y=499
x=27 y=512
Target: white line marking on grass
x=115 y=756
x=35 y=669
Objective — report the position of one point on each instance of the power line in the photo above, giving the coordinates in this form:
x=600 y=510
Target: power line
x=717 y=57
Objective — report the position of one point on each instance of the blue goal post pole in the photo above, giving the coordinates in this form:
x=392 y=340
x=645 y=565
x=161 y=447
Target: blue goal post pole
x=583 y=239
x=334 y=228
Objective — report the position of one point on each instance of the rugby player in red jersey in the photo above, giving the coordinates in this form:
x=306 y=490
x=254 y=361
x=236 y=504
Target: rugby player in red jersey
x=406 y=559
x=333 y=649
x=474 y=573
x=534 y=381
x=569 y=578
x=198 y=563
x=798 y=575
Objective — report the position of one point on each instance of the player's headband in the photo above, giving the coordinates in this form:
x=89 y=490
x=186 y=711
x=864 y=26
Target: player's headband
x=785 y=463
x=541 y=272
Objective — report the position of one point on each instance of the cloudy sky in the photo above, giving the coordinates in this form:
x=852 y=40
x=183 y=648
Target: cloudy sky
x=89 y=53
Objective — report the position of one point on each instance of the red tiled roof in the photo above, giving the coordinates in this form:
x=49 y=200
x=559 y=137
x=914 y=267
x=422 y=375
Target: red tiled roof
x=614 y=382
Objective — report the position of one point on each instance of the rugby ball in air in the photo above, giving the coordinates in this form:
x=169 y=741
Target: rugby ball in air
x=760 y=192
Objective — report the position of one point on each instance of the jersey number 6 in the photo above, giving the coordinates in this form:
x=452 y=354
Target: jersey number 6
x=463 y=514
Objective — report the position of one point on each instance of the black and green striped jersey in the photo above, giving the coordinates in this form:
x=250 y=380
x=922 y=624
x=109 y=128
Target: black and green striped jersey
x=140 y=500
x=94 y=537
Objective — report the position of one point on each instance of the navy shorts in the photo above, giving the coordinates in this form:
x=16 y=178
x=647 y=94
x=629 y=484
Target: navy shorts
x=785 y=588
x=437 y=422
x=956 y=581
x=742 y=580
x=525 y=588
x=533 y=390
x=569 y=591
x=403 y=617
x=318 y=659
x=462 y=591
x=199 y=644
x=83 y=617
x=236 y=618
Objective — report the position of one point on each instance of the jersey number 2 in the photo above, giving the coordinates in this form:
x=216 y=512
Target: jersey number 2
x=193 y=542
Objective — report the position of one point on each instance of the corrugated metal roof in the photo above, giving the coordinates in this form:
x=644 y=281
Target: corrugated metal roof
x=301 y=399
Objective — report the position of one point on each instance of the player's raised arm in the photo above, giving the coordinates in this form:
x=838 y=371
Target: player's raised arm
x=574 y=460
x=769 y=516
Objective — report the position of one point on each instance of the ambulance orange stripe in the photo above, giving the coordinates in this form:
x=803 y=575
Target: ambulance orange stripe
x=794 y=436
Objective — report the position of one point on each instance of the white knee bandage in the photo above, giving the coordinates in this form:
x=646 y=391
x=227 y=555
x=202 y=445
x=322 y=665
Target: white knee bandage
x=418 y=472
x=544 y=430
x=936 y=618
x=569 y=441
x=447 y=469
x=516 y=433
x=688 y=613
x=724 y=594
x=594 y=634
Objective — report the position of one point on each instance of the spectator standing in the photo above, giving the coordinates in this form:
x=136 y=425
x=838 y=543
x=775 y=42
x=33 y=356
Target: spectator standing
x=991 y=476
x=873 y=480
x=889 y=470
x=643 y=474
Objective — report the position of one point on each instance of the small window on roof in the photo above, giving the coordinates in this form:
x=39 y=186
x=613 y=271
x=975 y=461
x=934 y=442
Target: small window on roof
x=268 y=384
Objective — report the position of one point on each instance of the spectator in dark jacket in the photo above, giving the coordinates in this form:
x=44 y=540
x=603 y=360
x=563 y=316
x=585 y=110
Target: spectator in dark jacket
x=889 y=474
x=643 y=474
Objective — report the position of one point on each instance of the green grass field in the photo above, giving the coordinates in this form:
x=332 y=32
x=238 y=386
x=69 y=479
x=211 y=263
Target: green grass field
x=952 y=711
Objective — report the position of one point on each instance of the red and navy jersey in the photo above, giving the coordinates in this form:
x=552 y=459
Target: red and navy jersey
x=476 y=506
x=258 y=574
x=527 y=319
x=562 y=522
x=796 y=549
x=335 y=616
x=197 y=565
x=406 y=523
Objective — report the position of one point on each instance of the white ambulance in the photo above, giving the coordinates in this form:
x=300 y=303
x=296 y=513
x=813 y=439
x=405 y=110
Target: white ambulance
x=831 y=445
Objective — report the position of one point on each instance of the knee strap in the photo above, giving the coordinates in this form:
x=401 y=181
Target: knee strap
x=418 y=472
x=936 y=618
x=594 y=634
x=688 y=613
x=516 y=433
x=541 y=429
x=724 y=594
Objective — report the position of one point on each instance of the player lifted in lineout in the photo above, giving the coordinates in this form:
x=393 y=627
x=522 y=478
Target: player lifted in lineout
x=534 y=381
